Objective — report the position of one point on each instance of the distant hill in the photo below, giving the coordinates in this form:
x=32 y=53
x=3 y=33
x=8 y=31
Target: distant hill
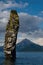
x=1 y=49
x=27 y=45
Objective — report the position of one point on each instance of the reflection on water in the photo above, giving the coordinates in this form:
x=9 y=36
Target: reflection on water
x=9 y=61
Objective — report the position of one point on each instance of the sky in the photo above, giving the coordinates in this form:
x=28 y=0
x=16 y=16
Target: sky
x=30 y=17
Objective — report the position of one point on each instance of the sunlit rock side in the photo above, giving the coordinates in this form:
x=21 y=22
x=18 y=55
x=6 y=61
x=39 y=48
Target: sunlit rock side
x=11 y=35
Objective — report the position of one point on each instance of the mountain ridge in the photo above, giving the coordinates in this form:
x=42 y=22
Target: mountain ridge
x=27 y=45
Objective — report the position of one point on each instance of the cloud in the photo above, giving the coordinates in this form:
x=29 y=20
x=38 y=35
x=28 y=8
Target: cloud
x=38 y=41
x=21 y=36
x=37 y=34
x=29 y=26
x=41 y=11
x=29 y=23
x=41 y=14
x=10 y=4
x=4 y=17
x=4 y=14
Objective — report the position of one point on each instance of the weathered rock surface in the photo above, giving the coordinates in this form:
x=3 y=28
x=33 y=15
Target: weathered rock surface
x=11 y=35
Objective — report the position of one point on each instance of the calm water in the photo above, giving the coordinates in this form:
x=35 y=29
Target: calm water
x=23 y=58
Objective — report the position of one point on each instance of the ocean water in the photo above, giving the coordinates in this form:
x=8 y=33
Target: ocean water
x=23 y=58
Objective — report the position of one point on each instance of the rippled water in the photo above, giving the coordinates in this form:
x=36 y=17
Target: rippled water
x=23 y=58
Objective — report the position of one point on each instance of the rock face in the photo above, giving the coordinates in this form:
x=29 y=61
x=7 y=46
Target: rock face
x=11 y=35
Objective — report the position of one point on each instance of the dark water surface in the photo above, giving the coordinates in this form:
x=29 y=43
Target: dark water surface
x=23 y=58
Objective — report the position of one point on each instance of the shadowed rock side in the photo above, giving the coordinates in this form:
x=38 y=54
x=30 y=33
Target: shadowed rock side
x=11 y=35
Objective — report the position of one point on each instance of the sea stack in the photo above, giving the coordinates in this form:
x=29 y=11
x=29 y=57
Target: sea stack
x=11 y=35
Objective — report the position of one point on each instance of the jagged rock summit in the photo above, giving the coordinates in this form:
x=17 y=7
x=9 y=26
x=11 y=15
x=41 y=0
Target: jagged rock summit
x=11 y=35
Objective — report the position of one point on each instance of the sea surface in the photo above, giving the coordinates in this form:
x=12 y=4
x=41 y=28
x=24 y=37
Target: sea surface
x=23 y=58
